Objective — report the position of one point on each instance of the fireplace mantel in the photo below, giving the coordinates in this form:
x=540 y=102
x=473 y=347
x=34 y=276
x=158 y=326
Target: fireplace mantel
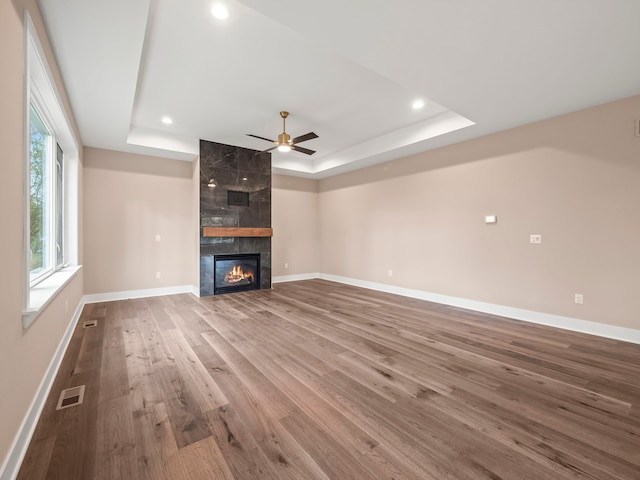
x=236 y=232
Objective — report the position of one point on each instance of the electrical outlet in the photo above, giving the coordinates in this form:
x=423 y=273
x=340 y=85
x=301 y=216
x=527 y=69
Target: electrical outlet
x=158 y=274
x=390 y=273
x=158 y=237
x=578 y=298
x=535 y=238
x=286 y=265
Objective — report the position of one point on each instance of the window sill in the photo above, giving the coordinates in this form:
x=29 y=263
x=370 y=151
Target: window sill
x=44 y=292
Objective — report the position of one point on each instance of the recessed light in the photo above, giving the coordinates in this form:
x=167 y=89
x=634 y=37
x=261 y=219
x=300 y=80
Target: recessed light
x=167 y=120
x=417 y=104
x=219 y=11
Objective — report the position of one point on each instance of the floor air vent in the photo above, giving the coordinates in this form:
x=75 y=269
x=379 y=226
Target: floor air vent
x=70 y=397
x=90 y=323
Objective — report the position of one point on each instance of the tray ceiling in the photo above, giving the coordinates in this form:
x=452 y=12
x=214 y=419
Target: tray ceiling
x=349 y=71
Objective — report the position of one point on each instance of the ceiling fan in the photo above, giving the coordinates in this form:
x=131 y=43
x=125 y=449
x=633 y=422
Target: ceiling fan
x=285 y=143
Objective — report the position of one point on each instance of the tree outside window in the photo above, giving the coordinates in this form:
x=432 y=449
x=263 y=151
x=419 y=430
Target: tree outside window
x=40 y=197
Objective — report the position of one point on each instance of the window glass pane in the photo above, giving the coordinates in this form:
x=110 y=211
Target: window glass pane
x=39 y=196
x=59 y=206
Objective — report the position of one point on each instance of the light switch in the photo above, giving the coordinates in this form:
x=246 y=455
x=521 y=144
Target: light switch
x=490 y=219
x=158 y=237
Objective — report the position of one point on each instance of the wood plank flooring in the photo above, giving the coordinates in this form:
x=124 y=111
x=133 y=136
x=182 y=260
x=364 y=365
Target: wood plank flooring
x=318 y=380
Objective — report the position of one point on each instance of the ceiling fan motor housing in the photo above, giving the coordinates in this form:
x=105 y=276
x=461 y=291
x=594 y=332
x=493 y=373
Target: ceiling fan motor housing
x=284 y=139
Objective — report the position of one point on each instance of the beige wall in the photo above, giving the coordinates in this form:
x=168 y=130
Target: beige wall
x=24 y=354
x=195 y=208
x=295 y=226
x=574 y=179
x=129 y=199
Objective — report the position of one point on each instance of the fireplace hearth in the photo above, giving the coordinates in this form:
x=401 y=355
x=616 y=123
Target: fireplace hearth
x=236 y=273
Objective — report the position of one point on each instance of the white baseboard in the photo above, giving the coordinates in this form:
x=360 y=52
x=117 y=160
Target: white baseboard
x=295 y=278
x=18 y=450
x=150 y=292
x=567 y=323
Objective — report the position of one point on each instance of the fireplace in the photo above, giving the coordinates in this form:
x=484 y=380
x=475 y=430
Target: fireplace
x=236 y=273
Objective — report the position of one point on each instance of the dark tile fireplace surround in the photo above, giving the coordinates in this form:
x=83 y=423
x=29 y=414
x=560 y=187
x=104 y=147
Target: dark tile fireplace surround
x=241 y=172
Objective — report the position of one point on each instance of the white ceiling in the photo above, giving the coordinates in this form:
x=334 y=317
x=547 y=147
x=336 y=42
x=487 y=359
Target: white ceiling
x=346 y=69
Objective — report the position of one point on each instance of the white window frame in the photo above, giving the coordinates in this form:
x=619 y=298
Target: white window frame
x=41 y=91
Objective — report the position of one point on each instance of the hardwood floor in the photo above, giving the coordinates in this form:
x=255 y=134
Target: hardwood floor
x=317 y=380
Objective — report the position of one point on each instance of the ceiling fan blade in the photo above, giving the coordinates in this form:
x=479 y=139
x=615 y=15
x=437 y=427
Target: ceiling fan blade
x=304 y=138
x=302 y=150
x=261 y=138
x=268 y=149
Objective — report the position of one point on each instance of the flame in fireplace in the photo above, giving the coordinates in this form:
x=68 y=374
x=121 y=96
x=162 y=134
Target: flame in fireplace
x=238 y=275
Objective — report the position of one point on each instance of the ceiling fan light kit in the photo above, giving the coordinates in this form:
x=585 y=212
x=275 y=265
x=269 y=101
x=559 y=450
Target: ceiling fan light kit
x=285 y=143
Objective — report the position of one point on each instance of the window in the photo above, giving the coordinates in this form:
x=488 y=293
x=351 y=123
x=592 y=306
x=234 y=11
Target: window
x=51 y=185
x=46 y=197
x=59 y=206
